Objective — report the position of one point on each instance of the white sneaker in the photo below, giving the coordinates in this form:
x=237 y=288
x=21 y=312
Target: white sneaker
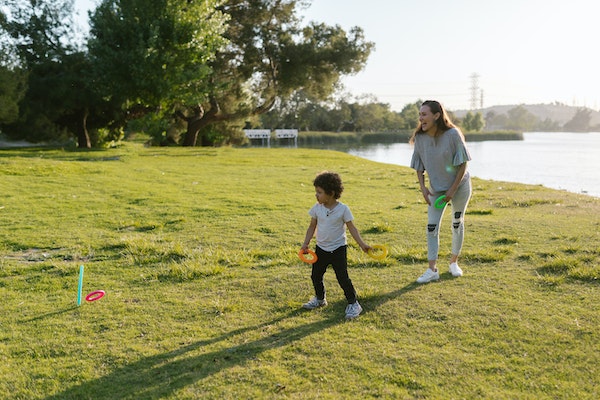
x=455 y=270
x=353 y=310
x=314 y=303
x=428 y=276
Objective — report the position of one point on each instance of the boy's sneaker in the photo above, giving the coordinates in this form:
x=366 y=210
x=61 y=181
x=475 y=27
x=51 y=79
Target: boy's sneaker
x=455 y=270
x=353 y=310
x=314 y=303
x=428 y=276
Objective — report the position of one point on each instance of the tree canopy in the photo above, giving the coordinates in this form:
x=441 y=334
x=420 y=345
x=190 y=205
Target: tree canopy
x=208 y=62
x=177 y=63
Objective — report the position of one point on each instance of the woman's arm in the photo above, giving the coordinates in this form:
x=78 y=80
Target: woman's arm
x=424 y=189
x=459 y=175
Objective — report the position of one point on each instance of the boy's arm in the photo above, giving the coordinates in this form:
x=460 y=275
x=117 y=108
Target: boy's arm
x=310 y=232
x=356 y=235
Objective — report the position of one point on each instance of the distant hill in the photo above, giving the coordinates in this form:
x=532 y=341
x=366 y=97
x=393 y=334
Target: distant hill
x=558 y=112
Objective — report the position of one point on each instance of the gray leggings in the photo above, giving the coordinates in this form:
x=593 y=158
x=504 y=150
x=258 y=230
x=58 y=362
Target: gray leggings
x=434 y=218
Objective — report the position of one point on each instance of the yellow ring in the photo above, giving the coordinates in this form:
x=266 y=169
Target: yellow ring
x=311 y=260
x=384 y=251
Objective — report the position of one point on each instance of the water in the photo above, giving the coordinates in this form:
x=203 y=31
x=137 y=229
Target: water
x=565 y=161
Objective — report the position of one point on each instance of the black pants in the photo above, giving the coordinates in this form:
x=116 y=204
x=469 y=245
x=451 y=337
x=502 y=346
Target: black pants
x=339 y=261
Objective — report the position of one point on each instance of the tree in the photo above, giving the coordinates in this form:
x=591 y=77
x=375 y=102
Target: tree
x=12 y=77
x=12 y=87
x=521 y=119
x=55 y=104
x=270 y=56
x=473 y=122
x=548 y=125
x=410 y=114
x=178 y=58
x=151 y=56
x=580 y=121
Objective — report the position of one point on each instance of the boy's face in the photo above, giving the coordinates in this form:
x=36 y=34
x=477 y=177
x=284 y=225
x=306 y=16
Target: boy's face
x=322 y=197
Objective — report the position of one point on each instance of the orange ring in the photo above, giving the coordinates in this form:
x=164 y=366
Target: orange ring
x=378 y=256
x=311 y=260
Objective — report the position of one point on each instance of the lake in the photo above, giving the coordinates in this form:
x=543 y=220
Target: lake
x=557 y=160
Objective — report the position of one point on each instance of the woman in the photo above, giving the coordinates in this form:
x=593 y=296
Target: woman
x=440 y=150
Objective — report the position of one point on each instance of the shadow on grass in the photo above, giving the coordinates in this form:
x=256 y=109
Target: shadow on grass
x=161 y=375
x=50 y=314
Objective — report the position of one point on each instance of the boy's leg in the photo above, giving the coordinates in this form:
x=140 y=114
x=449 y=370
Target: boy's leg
x=340 y=266
x=318 y=271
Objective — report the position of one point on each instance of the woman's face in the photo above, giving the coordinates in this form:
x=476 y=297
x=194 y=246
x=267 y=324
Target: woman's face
x=428 y=119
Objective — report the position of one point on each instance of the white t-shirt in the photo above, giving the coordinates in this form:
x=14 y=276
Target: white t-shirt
x=331 y=225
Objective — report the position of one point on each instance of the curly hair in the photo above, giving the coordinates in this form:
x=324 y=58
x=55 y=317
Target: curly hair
x=330 y=182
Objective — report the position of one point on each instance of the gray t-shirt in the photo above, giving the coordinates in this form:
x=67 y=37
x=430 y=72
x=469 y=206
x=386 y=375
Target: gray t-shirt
x=440 y=157
x=331 y=225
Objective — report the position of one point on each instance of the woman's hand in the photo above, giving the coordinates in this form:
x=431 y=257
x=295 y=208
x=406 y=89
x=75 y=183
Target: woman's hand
x=426 y=195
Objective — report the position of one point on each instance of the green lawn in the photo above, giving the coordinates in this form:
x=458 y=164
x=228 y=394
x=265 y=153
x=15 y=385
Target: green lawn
x=196 y=250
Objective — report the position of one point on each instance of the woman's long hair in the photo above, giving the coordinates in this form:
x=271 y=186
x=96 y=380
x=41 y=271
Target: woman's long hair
x=443 y=122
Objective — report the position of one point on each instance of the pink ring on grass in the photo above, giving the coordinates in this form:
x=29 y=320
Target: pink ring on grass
x=95 y=295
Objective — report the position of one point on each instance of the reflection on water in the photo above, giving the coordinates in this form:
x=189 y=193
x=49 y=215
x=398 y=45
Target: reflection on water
x=567 y=161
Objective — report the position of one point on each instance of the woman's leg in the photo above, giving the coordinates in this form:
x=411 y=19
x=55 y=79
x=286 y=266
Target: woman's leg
x=434 y=219
x=459 y=206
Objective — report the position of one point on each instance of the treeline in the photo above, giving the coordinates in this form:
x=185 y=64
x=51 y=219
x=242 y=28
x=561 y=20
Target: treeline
x=364 y=117
x=185 y=72
x=344 y=115
x=520 y=118
x=191 y=73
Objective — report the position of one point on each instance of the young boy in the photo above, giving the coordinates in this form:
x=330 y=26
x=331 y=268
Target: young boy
x=331 y=216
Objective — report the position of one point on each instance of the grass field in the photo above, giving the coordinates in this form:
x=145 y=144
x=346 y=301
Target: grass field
x=196 y=249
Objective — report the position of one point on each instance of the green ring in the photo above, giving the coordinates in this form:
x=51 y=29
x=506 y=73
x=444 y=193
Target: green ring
x=439 y=202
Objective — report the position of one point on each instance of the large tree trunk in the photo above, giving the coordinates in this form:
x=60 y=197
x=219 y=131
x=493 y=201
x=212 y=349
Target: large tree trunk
x=195 y=122
x=83 y=136
x=193 y=128
x=200 y=119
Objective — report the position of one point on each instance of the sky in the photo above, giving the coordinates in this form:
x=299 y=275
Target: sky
x=522 y=51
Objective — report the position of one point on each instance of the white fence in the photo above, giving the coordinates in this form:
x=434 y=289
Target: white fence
x=287 y=134
x=261 y=134
x=265 y=134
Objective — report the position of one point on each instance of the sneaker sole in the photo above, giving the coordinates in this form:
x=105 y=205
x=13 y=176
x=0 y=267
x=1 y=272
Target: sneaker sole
x=353 y=316
x=430 y=280
x=312 y=308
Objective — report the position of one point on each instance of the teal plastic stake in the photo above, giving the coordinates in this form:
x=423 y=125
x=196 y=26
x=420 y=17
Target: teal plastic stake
x=80 y=286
